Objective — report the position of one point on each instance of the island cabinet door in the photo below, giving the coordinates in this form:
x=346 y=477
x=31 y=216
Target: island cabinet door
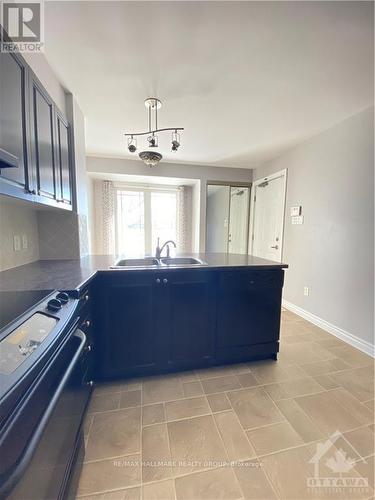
x=188 y=318
x=128 y=333
x=248 y=313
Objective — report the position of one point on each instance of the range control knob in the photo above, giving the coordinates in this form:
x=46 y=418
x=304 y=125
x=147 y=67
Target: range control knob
x=63 y=297
x=54 y=305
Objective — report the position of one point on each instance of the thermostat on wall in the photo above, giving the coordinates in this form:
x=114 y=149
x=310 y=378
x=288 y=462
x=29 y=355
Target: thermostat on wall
x=295 y=211
x=297 y=219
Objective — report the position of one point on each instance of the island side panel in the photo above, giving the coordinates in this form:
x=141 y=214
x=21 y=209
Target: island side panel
x=248 y=314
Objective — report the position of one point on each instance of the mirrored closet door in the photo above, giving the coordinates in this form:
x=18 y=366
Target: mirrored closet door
x=227 y=218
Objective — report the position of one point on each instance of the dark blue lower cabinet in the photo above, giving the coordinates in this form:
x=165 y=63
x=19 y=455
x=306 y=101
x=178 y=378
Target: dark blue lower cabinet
x=154 y=322
x=188 y=320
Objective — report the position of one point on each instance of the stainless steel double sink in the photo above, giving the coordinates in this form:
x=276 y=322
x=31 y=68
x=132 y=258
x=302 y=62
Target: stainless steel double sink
x=153 y=263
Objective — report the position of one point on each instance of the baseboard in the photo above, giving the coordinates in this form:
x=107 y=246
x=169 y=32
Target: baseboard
x=347 y=337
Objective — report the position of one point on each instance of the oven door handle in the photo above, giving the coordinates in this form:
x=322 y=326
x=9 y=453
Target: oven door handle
x=34 y=441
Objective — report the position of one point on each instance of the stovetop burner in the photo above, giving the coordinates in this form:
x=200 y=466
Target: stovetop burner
x=13 y=304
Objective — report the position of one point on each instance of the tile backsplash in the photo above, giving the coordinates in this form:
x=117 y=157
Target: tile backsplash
x=58 y=235
x=49 y=234
x=17 y=220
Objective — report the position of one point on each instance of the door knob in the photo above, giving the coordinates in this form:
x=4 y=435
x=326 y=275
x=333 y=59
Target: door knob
x=276 y=247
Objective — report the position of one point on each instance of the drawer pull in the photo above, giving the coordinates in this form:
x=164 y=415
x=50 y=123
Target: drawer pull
x=165 y=281
x=87 y=297
x=90 y=383
x=158 y=281
x=88 y=348
x=87 y=323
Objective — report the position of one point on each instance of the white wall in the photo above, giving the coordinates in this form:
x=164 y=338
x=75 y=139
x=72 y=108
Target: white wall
x=80 y=202
x=90 y=186
x=202 y=173
x=332 y=177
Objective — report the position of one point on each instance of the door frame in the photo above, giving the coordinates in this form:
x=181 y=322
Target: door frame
x=284 y=175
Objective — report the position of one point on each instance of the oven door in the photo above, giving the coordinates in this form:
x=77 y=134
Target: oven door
x=41 y=437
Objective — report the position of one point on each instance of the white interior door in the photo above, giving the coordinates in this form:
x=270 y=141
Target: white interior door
x=268 y=216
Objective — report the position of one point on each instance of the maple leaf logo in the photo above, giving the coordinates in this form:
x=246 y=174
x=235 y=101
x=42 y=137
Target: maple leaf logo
x=340 y=463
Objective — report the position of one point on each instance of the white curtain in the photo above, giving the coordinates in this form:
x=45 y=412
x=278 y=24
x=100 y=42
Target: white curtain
x=184 y=219
x=108 y=204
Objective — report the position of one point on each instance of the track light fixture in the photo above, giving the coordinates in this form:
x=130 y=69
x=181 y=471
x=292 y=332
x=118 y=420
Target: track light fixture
x=152 y=158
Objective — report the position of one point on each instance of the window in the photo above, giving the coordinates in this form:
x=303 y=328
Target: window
x=142 y=216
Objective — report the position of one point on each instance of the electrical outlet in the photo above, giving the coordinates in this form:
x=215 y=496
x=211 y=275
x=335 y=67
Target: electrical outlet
x=16 y=243
x=306 y=291
x=24 y=242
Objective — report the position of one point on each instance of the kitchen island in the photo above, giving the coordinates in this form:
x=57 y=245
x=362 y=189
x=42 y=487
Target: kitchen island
x=168 y=318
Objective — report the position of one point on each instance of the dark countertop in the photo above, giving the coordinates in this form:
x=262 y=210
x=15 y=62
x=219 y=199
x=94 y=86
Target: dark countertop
x=75 y=274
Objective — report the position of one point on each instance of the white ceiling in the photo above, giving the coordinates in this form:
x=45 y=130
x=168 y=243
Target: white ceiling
x=247 y=80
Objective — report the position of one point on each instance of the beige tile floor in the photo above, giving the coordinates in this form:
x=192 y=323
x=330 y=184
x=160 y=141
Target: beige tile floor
x=245 y=431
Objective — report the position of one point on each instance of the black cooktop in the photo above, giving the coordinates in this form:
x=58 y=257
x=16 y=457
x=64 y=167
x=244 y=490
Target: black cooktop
x=13 y=304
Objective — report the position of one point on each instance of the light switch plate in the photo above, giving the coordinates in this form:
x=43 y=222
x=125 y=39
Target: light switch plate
x=297 y=219
x=297 y=210
x=16 y=243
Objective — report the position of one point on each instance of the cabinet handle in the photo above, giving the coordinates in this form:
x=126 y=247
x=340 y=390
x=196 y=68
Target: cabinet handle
x=87 y=323
x=88 y=348
x=165 y=281
x=158 y=281
x=90 y=383
x=87 y=297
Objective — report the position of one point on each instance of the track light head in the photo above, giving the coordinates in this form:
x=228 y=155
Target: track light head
x=152 y=141
x=132 y=144
x=175 y=141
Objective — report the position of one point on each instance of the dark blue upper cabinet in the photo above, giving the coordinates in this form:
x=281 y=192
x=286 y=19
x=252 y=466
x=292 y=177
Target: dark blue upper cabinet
x=43 y=141
x=14 y=132
x=35 y=147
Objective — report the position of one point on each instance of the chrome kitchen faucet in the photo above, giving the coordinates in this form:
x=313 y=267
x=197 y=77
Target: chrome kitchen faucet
x=159 y=250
